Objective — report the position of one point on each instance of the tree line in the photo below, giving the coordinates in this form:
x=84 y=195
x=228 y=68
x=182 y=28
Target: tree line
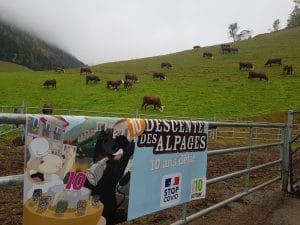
x=21 y=48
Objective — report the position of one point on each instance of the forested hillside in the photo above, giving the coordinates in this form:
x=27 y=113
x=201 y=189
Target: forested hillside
x=21 y=48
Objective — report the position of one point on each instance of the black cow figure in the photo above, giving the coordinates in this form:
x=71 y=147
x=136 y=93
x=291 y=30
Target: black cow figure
x=107 y=152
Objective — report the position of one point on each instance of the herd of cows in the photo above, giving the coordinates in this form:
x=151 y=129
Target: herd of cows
x=131 y=79
x=226 y=48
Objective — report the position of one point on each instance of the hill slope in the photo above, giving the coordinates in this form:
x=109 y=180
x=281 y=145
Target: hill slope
x=11 y=67
x=195 y=86
x=21 y=48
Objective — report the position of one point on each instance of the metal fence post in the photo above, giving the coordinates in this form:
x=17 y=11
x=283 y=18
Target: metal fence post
x=286 y=155
x=249 y=158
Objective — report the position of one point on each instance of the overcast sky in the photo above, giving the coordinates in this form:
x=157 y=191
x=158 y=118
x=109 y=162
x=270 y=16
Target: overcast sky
x=98 y=31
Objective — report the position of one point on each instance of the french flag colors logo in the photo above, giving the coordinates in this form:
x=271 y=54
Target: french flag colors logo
x=170 y=190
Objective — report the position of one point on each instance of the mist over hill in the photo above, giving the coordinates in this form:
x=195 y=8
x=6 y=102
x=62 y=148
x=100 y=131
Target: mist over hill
x=22 y=48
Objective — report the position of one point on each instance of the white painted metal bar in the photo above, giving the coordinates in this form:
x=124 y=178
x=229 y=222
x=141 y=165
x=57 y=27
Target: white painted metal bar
x=223 y=203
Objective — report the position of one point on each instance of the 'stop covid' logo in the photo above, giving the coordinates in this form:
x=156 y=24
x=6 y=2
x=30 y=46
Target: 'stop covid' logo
x=170 y=190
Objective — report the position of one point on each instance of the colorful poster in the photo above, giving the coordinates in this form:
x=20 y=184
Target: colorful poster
x=80 y=170
x=73 y=166
x=169 y=165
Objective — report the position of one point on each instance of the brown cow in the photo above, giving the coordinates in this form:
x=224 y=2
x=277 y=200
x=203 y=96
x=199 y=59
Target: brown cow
x=131 y=76
x=159 y=75
x=225 y=45
x=59 y=70
x=152 y=100
x=128 y=84
x=85 y=70
x=247 y=65
x=273 y=61
x=208 y=55
x=93 y=78
x=260 y=75
x=288 y=70
x=49 y=83
x=47 y=109
x=229 y=50
x=166 y=64
x=114 y=84
x=196 y=46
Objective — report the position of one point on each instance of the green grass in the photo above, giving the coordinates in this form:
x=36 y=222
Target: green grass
x=195 y=87
x=12 y=67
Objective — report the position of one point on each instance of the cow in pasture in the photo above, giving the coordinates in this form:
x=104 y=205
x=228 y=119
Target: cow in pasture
x=49 y=83
x=18 y=110
x=131 y=76
x=128 y=84
x=273 y=61
x=260 y=75
x=114 y=84
x=85 y=70
x=166 y=64
x=225 y=45
x=93 y=78
x=47 y=109
x=229 y=50
x=159 y=75
x=152 y=100
x=288 y=70
x=59 y=70
x=196 y=46
x=208 y=55
x=247 y=65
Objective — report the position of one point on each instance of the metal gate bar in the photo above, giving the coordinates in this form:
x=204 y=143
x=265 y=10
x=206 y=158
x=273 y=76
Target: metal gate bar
x=224 y=203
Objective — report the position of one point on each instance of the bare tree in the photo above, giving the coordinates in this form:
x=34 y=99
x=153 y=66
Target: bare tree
x=233 y=29
x=276 y=25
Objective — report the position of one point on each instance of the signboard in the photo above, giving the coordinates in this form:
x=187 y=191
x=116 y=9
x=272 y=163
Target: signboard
x=169 y=165
x=75 y=164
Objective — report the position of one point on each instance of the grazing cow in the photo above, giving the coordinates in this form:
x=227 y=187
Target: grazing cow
x=208 y=55
x=288 y=70
x=273 y=61
x=247 y=65
x=114 y=84
x=196 y=46
x=166 y=64
x=152 y=100
x=47 y=109
x=128 y=84
x=229 y=50
x=93 y=78
x=49 y=83
x=225 y=45
x=159 y=75
x=260 y=75
x=85 y=70
x=59 y=70
x=131 y=76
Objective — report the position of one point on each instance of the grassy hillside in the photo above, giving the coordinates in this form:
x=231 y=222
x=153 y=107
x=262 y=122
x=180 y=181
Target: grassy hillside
x=12 y=67
x=195 y=87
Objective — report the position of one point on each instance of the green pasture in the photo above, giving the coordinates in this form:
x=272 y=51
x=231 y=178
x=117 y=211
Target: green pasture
x=195 y=86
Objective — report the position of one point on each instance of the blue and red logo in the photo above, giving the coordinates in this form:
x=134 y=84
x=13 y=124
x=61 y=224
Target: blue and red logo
x=170 y=190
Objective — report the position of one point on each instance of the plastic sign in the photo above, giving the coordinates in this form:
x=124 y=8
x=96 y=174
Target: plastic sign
x=75 y=165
